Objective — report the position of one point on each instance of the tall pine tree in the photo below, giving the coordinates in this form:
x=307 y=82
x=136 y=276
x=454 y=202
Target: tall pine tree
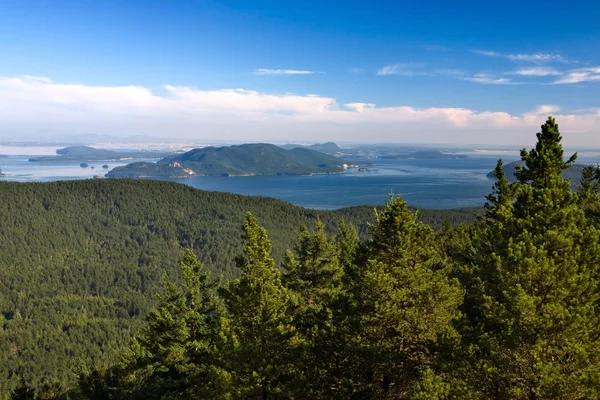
x=534 y=326
x=406 y=302
x=263 y=341
x=176 y=354
x=315 y=275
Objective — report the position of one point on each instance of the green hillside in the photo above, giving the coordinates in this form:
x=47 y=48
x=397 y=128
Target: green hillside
x=247 y=159
x=81 y=260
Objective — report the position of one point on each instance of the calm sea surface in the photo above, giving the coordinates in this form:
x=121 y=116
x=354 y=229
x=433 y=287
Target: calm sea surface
x=422 y=183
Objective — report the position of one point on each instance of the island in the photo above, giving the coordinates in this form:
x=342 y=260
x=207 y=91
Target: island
x=327 y=148
x=242 y=160
x=85 y=153
x=423 y=155
x=105 y=166
x=574 y=172
x=83 y=165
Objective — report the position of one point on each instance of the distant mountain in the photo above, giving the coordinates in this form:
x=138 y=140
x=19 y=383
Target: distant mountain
x=85 y=153
x=574 y=172
x=328 y=148
x=246 y=159
x=424 y=155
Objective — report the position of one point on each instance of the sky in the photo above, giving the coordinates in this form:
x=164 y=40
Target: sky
x=460 y=72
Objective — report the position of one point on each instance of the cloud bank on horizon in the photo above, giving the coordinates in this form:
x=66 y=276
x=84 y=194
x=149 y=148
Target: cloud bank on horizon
x=38 y=105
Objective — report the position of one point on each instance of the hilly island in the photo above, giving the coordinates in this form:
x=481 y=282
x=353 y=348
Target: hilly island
x=85 y=153
x=243 y=160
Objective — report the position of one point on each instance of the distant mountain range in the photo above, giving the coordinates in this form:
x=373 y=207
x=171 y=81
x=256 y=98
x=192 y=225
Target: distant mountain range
x=574 y=172
x=85 y=153
x=242 y=160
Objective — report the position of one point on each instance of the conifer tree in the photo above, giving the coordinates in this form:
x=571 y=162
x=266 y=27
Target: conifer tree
x=176 y=355
x=405 y=303
x=589 y=193
x=262 y=338
x=534 y=323
x=349 y=244
x=315 y=275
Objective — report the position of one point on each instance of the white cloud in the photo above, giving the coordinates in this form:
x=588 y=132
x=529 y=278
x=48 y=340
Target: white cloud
x=535 y=58
x=402 y=69
x=546 y=109
x=489 y=80
x=541 y=58
x=266 y=71
x=32 y=105
x=537 y=71
x=580 y=75
x=488 y=53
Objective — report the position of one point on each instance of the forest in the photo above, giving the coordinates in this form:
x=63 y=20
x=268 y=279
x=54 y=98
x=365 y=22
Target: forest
x=150 y=290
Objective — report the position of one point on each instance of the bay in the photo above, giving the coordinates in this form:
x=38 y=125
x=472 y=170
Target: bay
x=427 y=183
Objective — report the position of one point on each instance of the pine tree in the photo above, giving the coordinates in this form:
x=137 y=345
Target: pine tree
x=589 y=193
x=406 y=303
x=175 y=355
x=349 y=245
x=23 y=391
x=534 y=327
x=315 y=275
x=263 y=340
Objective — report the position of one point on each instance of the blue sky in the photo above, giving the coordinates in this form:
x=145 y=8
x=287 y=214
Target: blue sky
x=403 y=71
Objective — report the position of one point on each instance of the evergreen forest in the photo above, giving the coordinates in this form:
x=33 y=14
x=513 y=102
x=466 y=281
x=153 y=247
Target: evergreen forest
x=124 y=289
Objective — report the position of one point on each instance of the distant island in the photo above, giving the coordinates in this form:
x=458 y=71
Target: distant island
x=3 y=156
x=85 y=153
x=423 y=155
x=242 y=160
x=328 y=148
x=574 y=172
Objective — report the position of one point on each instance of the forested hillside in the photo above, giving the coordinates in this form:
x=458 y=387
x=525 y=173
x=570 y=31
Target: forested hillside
x=81 y=261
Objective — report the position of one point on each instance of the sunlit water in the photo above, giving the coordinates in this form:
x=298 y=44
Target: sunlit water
x=422 y=183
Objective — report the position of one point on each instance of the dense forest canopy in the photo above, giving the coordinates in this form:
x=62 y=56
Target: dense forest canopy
x=81 y=261
x=504 y=307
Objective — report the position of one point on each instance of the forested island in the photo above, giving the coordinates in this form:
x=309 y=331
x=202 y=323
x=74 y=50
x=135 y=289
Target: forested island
x=242 y=160
x=501 y=303
x=328 y=147
x=85 y=153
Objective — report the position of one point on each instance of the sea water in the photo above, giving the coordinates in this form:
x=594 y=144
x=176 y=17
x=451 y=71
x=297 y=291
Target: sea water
x=428 y=183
